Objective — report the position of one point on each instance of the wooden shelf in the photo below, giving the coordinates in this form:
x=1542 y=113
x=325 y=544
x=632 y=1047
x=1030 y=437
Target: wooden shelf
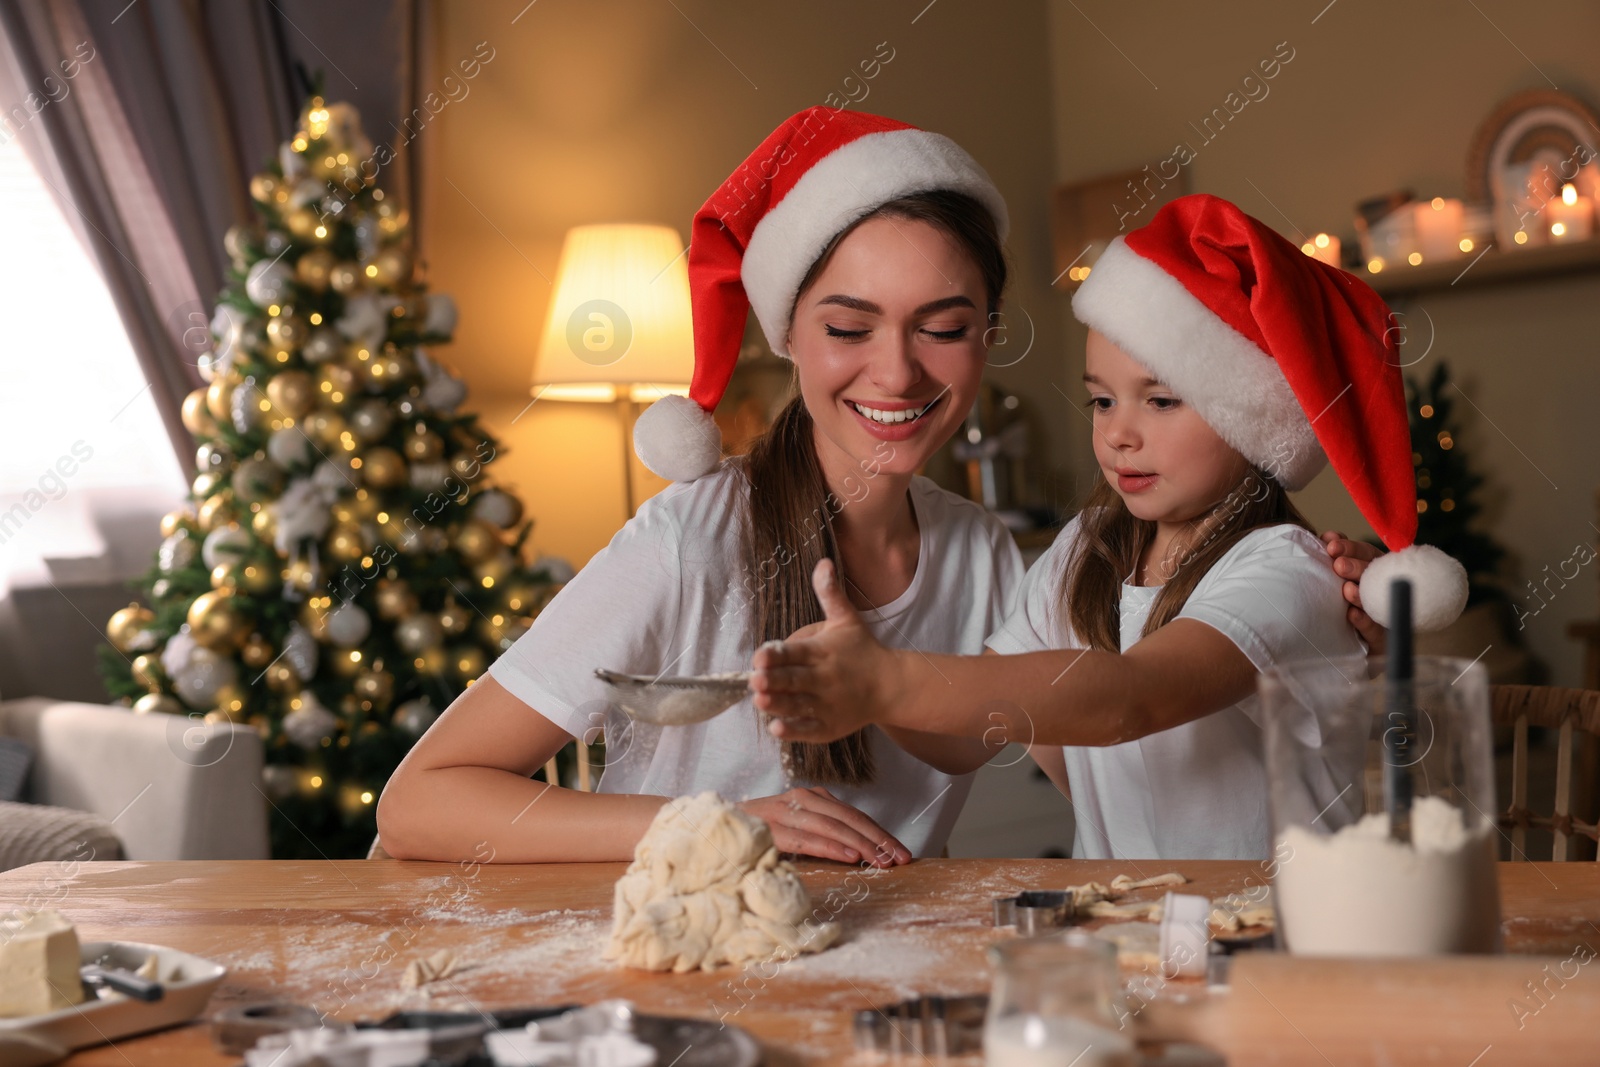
x=1493 y=267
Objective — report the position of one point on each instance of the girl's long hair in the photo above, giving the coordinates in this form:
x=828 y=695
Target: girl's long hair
x=789 y=528
x=1111 y=541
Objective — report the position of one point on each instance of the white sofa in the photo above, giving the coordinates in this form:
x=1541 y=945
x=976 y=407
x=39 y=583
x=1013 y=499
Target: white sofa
x=169 y=786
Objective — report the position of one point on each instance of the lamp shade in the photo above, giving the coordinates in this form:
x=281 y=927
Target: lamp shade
x=619 y=321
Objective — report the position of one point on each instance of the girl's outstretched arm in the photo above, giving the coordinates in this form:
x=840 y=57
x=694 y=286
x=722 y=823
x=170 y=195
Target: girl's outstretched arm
x=463 y=792
x=841 y=679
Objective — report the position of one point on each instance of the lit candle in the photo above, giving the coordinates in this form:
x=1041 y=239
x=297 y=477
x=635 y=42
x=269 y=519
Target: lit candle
x=1323 y=246
x=1571 y=218
x=1439 y=229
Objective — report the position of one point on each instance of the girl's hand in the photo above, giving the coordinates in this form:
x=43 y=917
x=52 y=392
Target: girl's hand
x=1350 y=559
x=826 y=685
x=814 y=822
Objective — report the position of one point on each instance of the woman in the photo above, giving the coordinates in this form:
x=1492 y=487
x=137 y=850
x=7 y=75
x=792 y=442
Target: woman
x=871 y=254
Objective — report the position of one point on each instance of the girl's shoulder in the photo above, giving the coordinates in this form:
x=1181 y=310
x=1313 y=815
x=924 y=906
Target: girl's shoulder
x=1284 y=540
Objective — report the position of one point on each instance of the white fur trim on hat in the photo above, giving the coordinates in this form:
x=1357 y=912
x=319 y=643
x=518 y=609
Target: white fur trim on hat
x=677 y=439
x=1438 y=586
x=1237 y=388
x=841 y=187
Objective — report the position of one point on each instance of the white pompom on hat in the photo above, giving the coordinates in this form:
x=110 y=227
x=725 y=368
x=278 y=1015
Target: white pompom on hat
x=1292 y=362
x=754 y=239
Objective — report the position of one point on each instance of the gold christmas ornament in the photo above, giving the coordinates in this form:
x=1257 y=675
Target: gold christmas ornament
x=219 y=400
x=345 y=277
x=383 y=468
x=157 y=704
x=494 y=571
x=314 y=268
x=225 y=576
x=216 y=622
x=229 y=701
x=388 y=268
x=205 y=484
x=455 y=619
x=265 y=522
x=217 y=510
x=365 y=505
x=476 y=541
x=424 y=447
x=264 y=187
x=256 y=578
x=371 y=420
x=257 y=652
x=395 y=600
x=173 y=521
x=392 y=218
x=344 y=543
x=301 y=221
x=291 y=393
x=148 y=673
x=257 y=480
x=324 y=427
x=348 y=664
x=395 y=368
x=376 y=686
x=301 y=575
x=197 y=418
x=336 y=383
x=288 y=332
x=468 y=662
x=236 y=242
x=433 y=662
x=280 y=678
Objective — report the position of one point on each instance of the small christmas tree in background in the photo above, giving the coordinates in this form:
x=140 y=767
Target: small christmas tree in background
x=345 y=570
x=1447 y=487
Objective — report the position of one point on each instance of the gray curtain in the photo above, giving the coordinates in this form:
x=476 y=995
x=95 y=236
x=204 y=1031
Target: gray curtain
x=148 y=117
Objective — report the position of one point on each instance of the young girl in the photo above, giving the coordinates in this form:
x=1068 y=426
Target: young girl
x=1224 y=368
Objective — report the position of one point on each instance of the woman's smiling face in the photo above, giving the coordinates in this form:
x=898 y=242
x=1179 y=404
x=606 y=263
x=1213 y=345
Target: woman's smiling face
x=888 y=342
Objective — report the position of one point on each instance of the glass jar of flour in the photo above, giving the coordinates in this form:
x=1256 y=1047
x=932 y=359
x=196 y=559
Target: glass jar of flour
x=1343 y=883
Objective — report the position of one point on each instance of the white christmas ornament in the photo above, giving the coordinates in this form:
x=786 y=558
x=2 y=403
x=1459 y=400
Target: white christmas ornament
x=322 y=344
x=292 y=162
x=415 y=716
x=418 y=633
x=496 y=507
x=429 y=476
x=244 y=407
x=289 y=448
x=300 y=652
x=441 y=391
x=268 y=282
x=306 y=191
x=302 y=513
x=227 y=328
x=204 y=672
x=180 y=647
x=348 y=625
x=225 y=544
x=176 y=552
x=441 y=316
x=308 y=724
x=331 y=480
x=363 y=320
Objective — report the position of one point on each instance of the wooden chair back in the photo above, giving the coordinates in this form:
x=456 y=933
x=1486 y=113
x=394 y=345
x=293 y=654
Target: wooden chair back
x=1567 y=711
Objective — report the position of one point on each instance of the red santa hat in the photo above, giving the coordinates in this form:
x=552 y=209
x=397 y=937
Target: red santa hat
x=754 y=239
x=1293 y=362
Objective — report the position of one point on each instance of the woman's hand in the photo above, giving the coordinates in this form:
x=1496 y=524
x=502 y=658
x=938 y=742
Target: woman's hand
x=829 y=684
x=1350 y=559
x=814 y=822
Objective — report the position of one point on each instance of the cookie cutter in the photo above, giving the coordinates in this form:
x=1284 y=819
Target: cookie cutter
x=1035 y=910
x=923 y=1026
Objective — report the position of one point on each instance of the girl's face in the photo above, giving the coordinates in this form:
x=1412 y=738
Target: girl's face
x=1156 y=451
x=889 y=345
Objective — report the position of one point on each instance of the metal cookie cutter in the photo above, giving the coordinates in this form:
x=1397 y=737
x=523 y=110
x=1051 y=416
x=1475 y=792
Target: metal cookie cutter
x=924 y=1026
x=1034 y=910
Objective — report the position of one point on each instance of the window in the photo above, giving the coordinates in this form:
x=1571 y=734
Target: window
x=76 y=416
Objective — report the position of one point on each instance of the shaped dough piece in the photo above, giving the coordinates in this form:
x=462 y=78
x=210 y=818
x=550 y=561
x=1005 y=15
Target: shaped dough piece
x=39 y=963
x=706 y=888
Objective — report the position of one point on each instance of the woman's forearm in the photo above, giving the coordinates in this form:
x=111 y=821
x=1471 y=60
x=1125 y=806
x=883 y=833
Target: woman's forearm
x=458 y=813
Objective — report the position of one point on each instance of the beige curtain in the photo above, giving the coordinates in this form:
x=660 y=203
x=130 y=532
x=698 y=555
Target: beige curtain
x=147 y=119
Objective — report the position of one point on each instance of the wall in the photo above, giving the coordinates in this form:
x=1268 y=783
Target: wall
x=618 y=110
x=1377 y=97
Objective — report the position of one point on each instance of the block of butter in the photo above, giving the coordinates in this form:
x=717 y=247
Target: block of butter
x=38 y=963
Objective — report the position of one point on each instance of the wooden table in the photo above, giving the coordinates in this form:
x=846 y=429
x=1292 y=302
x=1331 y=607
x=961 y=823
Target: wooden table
x=337 y=935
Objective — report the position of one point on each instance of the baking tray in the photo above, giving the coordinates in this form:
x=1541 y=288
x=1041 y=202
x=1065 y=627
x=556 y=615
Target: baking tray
x=38 y=1039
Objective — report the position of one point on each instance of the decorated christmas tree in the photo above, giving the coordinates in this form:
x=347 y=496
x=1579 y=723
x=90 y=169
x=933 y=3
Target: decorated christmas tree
x=1447 y=486
x=345 y=568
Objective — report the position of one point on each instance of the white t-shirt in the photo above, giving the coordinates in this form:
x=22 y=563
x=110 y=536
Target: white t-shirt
x=672 y=594
x=1197 y=791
